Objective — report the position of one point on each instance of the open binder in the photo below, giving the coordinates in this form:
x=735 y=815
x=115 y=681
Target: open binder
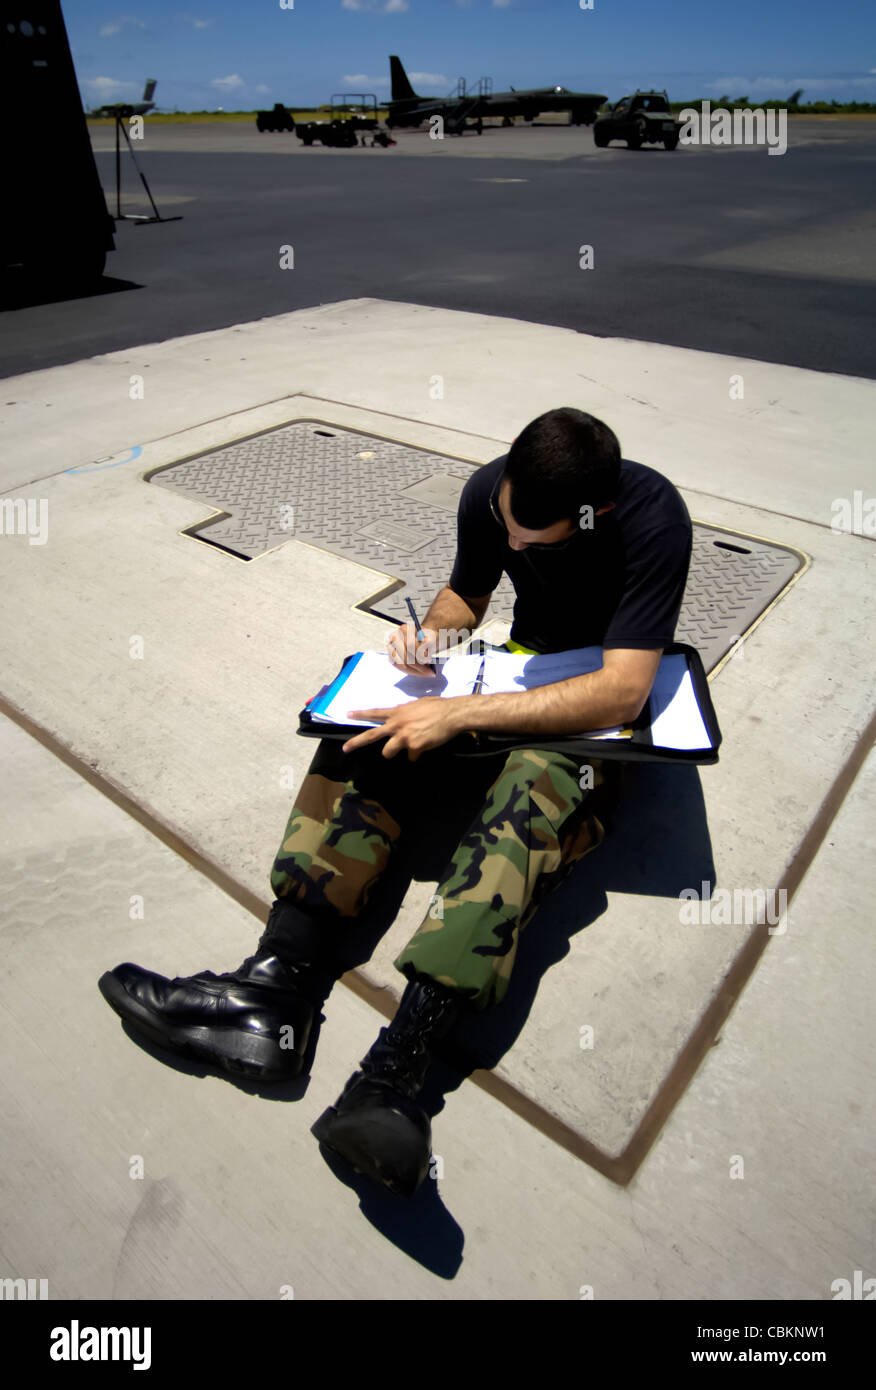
x=677 y=724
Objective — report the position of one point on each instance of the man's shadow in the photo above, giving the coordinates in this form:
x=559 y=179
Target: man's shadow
x=657 y=843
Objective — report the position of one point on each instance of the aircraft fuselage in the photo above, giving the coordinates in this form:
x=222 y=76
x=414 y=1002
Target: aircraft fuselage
x=528 y=104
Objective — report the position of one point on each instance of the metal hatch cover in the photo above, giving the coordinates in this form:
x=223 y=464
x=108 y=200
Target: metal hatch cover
x=391 y=506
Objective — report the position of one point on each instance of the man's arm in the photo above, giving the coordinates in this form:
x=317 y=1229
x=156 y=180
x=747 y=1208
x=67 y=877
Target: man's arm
x=615 y=694
x=451 y=610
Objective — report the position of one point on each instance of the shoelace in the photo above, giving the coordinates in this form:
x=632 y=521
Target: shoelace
x=396 y=1066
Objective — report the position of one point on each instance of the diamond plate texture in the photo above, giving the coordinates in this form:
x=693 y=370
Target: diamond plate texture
x=390 y=506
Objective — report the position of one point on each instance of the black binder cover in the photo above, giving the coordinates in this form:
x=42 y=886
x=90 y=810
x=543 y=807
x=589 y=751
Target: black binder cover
x=639 y=748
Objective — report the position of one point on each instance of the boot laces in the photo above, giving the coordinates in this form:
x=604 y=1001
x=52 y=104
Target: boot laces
x=395 y=1065
x=428 y=1008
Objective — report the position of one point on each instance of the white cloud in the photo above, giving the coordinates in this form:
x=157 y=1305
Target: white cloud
x=385 y=6
x=361 y=82
x=194 y=21
x=115 y=26
x=109 y=86
x=262 y=88
x=228 y=84
x=501 y=4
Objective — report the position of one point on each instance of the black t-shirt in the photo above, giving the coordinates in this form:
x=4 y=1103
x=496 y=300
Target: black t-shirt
x=618 y=584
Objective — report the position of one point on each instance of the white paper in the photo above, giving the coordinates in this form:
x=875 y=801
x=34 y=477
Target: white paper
x=676 y=721
x=376 y=683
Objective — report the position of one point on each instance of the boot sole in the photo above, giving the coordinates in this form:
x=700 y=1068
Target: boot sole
x=234 y=1050
x=379 y=1144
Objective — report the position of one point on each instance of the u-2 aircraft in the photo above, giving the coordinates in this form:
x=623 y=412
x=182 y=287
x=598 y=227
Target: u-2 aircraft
x=406 y=108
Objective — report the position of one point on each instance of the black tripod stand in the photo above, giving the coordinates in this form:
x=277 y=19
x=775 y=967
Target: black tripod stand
x=121 y=113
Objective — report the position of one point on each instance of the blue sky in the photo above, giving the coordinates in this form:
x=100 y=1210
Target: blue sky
x=224 y=53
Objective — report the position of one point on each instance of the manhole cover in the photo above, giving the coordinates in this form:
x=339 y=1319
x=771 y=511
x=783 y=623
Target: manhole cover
x=392 y=507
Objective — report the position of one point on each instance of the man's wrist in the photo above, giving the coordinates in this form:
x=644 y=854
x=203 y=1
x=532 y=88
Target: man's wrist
x=464 y=711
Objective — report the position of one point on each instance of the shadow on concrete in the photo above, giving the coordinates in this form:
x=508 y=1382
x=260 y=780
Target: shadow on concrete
x=26 y=292
x=420 y=1226
x=657 y=843
x=294 y=1089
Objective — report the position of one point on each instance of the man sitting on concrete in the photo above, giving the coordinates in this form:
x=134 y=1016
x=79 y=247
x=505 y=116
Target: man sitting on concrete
x=598 y=551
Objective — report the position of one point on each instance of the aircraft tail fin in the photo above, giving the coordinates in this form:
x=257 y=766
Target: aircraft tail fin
x=151 y=84
x=401 y=87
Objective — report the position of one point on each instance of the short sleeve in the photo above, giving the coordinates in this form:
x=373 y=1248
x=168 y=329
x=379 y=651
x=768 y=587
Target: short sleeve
x=655 y=575
x=478 y=566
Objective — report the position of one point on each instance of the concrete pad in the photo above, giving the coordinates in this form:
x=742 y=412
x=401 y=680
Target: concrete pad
x=150 y=715
x=469 y=375
x=757 y=1187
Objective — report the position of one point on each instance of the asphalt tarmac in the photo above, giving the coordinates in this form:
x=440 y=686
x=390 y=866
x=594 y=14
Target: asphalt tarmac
x=729 y=250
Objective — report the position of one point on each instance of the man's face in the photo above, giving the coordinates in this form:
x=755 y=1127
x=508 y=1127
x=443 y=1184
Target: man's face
x=519 y=539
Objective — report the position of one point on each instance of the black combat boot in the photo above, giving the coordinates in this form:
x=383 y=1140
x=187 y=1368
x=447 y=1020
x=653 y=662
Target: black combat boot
x=376 y=1123
x=254 y=1021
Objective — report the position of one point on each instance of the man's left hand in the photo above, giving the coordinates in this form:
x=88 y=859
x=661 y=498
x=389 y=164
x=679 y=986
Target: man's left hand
x=417 y=726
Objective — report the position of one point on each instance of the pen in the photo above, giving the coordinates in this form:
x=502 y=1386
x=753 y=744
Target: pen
x=478 y=689
x=420 y=634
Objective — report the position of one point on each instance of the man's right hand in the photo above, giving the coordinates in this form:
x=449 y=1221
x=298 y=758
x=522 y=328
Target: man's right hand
x=408 y=655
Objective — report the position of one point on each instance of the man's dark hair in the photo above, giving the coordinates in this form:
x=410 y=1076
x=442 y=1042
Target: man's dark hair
x=563 y=460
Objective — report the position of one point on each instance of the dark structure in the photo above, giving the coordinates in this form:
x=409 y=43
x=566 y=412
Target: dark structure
x=351 y=114
x=644 y=118
x=139 y=108
x=337 y=133
x=406 y=108
x=278 y=119
x=55 y=229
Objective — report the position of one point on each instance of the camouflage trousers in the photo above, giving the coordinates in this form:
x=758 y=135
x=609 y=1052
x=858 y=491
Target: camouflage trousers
x=535 y=822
